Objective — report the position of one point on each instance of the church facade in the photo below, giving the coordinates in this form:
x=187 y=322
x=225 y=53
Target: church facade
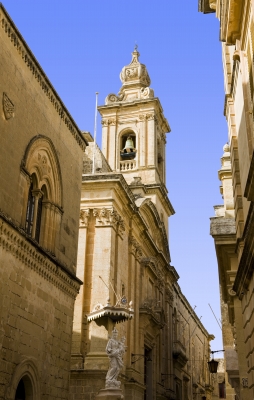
x=124 y=259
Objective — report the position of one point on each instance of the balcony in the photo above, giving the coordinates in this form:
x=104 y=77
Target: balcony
x=127 y=165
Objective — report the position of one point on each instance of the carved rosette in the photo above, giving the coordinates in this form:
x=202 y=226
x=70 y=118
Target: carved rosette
x=109 y=217
x=84 y=217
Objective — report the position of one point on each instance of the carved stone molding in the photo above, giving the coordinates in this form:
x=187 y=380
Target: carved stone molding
x=109 y=121
x=113 y=98
x=12 y=240
x=136 y=249
x=148 y=117
x=109 y=217
x=84 y=217
x=8 y=107
x=169 y=297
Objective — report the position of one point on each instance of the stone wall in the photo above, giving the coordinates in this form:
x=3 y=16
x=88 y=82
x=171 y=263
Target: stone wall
x=41 y=152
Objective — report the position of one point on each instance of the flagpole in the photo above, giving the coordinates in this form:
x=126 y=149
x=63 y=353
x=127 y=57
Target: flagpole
x=94 y=135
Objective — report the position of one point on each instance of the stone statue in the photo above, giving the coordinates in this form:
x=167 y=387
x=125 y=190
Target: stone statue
x=115 y=350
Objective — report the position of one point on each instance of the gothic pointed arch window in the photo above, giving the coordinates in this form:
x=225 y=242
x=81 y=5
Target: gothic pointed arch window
x=43 y=194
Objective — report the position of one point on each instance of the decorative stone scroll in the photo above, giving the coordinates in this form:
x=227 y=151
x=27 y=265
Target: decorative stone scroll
x=84 y=217
x=148 y=117
x=109 y=121
x=109 y=217
x=146 y=93
x=136 y=249
x=8 y=107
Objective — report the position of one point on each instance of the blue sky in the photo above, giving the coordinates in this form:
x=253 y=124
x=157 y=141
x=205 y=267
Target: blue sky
x=82 y=46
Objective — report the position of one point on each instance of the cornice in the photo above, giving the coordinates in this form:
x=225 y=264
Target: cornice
x=140 y=105
x=14 y=240
x=164 y=194
x=32 y=64
x=104 y=179
x=221 y=226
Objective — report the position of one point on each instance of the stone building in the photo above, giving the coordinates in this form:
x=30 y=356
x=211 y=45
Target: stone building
x=124 y=259
x=233 y=226
x=120 y=233
x=41 y=166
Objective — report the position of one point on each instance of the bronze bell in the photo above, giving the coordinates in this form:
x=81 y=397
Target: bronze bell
x=129 y=145
x=129 y=151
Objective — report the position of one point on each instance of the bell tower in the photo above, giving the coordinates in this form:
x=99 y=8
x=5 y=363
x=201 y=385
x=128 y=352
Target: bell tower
x=134 y=127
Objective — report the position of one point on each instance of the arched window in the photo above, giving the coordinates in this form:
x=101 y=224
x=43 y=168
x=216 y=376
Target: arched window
x=20 y=392
x=24 y=390
x=34 y=211
x=30 y=211
x=43 y=198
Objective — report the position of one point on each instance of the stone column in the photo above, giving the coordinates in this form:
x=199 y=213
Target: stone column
x=101 y=273
x=111 y=143
x=142 y=141
x=37 y=193
x=77 y=358
x=151 y=145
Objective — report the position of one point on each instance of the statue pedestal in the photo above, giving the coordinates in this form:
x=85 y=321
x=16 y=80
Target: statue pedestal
x=110 y=394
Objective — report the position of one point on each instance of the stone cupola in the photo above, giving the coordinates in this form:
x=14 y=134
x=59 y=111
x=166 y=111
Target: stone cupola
x=135 y=82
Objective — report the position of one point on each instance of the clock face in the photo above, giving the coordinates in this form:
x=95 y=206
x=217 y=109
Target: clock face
x=123 y=301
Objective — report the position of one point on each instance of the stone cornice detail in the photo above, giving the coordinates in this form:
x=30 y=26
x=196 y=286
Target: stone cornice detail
x=137 y=102
x=164 y=195
x=16 y=242
x=112 y=177
x=222 y=226
x=32 y=64
x=109 y=217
